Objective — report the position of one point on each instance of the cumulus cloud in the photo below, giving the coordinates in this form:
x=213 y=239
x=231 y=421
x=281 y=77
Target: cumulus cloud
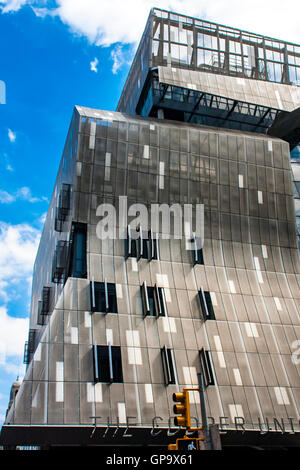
x=107 y=22
x=94 y=64
x=11 y=344
x=117 y=57
x=18 y=247
x=11 y=135
x=23 y=193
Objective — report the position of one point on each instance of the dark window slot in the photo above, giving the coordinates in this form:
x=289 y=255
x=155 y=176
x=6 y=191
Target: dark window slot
x=103 y=297
x=168 y=365
x=206 y=367
x=107 y=364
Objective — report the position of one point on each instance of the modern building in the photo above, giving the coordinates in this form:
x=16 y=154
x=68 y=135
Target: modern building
x=208 y=118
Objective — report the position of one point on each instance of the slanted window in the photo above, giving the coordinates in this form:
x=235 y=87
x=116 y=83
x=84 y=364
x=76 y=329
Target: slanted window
x=206 y=305
x=107 y=364
x=103 y=297
x=206 y=367
x=64 y=205
x=168 y=363
x=59 y=263
x=78 y=267
x=141 y=244
x=153 y=298
x=44 y=306
x=197 y=250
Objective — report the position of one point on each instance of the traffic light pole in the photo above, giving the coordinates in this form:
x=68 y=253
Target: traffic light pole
x=203 y=413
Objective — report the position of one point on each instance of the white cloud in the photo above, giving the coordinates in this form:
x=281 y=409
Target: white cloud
x=11 y=135
x=18 y=247
x=108 y=22
x=6 y=198
x=12 y=5
x=12 y=344
x=117 y=57
x=23 y=193
x=93 y=65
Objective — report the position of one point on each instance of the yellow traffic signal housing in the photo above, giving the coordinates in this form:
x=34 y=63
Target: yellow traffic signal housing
x=182 y=409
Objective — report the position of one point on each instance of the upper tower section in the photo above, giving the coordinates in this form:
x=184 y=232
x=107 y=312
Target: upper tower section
x=202 y=72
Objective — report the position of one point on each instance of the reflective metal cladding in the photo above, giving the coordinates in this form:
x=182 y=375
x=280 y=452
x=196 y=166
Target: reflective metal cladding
x=124 y=313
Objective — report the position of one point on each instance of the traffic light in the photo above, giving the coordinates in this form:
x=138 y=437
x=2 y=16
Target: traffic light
x=182 y=409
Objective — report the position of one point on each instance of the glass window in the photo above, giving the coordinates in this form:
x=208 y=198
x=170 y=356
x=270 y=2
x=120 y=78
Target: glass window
x=153 y=298
x=107 y=363
x=103 y=297
x=78 y=256
x=206 y=305
x=167 y=356
x=206 y=367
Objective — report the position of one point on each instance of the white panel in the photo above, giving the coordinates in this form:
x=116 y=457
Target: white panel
x=190 y=375
x=59 y=371
x=109 y=336
x=241 y=181
x=149 y=393
x=122 y=413
x=251 y=330
x=237 y=377
x=87 y=320
x=98 y=393
x=270 y=145
x=107 y=159
x=146 y=151
x=221 y=359
x=218 y=343
x=35 y=402
x=152 y=127
x=169 y=325
x=90 y=392
x=107 y=173
x=264 y=251
x=119 y=291
x=38 y=352
x=281 y=396
x=162 y=280
x=133 y=338
x=134 y=265
x=258 y=271
x=277 y=303
x=260 y=197
x=231 y=287
x=74 y=335
x=236 y=411
x=278 y=98
x=134 y=356
x=214 y=299
x=92 y=135
x=59 y=391
x=161 y=184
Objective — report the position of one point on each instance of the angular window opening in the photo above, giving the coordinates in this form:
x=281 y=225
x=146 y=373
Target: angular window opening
x=142 y=245
x=206 y=367
x=206 y=305
x=103 y=297
x=44 y=306
x=168 y=363
x=60 y=261
x=107 y=364
x=197 y=251
x=78 y=264
x=153 y=299
x=64 y=206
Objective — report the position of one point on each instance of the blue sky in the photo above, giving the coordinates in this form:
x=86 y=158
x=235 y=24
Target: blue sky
x=47 y=71
x=55 y=54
